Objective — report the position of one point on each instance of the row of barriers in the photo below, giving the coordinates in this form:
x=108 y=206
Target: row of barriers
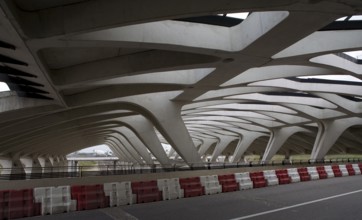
x=105 y=170
x=61 y=199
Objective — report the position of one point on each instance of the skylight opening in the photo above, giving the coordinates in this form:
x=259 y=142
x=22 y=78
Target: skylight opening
x=346 y=78
x=350 y=18
x=355 y=54
x=242 y=15
x=342 y=18
x=4 y=87
x=356 y=18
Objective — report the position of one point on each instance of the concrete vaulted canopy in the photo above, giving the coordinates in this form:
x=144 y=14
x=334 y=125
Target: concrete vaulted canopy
x=137 y=75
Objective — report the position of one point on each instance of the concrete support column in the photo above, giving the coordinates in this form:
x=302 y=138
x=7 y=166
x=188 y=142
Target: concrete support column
x=33 y=167
x=328 y=133
x=64 y=164
x=166 y=116
x=171 y=153
x=278 y=138
x=17 y=169
x=146 y=133
x=121 y=141
x=243 y=145
x=12 y=168
x=197 y=143
x=223 y=143
x=120 y=150
x=27 y=164
x=206 y=144
x=136 y=143
x=119 y=153
x=47 y=164
x=287 y=155
x=56 y=165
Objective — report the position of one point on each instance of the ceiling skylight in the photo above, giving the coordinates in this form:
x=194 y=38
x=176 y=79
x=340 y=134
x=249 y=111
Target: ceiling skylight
x=242 y=15
x=350 y=18
x=355 y=54
x=347 y=78
x=4 y=87
x=342 y=18
x=355 y=18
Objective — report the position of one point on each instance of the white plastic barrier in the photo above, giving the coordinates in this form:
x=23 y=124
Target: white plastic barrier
x=343 y=170
x=170 y=188
x=271 y=177
x=244 y=180
x=313 y=173
x=60 y=199
x=110 y=189
x=293 y=174
x=211 y=184
x=329 y=171
x=120 y=193
x=42 y=195
x=54 y=199
x=356 y=169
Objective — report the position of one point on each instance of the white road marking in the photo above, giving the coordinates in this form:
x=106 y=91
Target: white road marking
x=297 y=205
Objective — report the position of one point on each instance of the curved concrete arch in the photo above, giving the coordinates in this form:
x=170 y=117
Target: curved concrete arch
x=324 y=42
x=328 y=133
x=152 y=75
x=278 y=138
x=276 y=72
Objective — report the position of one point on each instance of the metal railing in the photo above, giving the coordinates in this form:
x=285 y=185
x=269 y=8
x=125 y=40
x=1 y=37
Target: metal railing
x=106 y=170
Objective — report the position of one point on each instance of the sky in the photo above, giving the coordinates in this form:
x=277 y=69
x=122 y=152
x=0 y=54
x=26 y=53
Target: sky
x=98 y=147
x=355 y=54
x=3 y=87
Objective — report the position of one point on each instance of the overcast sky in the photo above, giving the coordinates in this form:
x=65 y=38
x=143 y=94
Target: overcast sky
x=98 y=147
x=3 y=87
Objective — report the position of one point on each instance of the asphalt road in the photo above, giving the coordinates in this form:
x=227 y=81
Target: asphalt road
x=295 y=201
x=335 y=198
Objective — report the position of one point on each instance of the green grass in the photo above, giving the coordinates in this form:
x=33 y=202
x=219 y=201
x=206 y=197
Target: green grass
x=87 y=163
x=303 y=157
x=343 y=156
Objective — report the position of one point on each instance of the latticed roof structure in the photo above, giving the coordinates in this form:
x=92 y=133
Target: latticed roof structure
x=209 y=78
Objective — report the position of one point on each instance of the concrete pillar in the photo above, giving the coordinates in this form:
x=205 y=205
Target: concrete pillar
x=242 y=159
x=32 y=167
x=145 y=131
x=243 y=144
x=64 y=163
x=12 y=168
x=57 y=166
x=166 y=116
x=121 y=141
x=47 y=165
x=224 y=141
x=278 y=138
x=135 y=142
x=17 y=169
x=206 y=144
x=120 y=150
x=27 y=164
x=197 y=143
x=287 y=155
x=328 y=133
x=171 y=153
x=117 y=152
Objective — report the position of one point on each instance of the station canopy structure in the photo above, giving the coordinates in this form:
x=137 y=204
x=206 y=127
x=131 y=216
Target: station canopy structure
x=212 y=79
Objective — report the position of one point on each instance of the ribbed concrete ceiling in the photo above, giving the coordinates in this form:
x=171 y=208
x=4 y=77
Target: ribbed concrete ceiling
x=134 y=74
